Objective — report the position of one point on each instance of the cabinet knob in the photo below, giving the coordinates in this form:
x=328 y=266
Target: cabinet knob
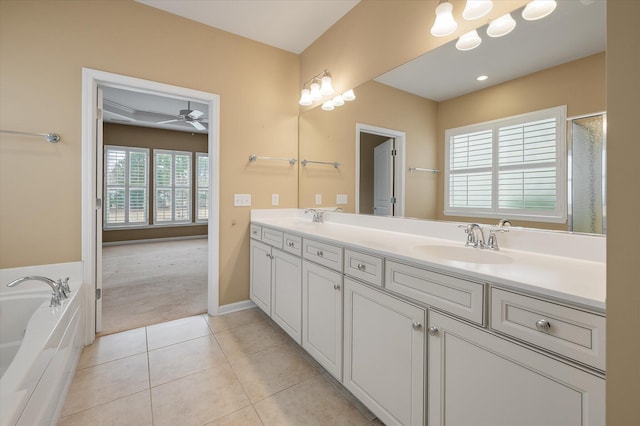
x=543 y=325
x=361 y=266
x=433 y=331
x=336 y=286
x=320 y=253
x=416 y=325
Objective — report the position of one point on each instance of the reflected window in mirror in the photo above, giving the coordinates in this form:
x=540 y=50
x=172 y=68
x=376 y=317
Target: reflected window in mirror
x=511 y=167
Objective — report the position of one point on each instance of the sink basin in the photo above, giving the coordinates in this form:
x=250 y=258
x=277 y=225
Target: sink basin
x=463 y=254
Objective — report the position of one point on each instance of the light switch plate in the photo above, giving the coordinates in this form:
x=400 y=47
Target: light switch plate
x=275 y=199
x=342 y=199
x=318 y=199
x=242 y=200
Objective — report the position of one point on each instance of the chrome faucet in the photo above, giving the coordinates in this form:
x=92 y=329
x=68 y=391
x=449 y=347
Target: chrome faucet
x=492 y=243
x=475 y=235
x=318 y=215
x=56 y=296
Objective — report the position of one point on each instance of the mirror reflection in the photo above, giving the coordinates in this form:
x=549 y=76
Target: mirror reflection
x=558 y=60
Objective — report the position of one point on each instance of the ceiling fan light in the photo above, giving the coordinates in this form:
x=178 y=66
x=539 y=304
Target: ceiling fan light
x=349 y=95
x=469 y=41
x=538 y=9
x=338 y=101
x=501 y=26
x=475 y=9
x=444 y=24
x=328 y=106
x=315 y=91
x=327 y=88
x=305 y=97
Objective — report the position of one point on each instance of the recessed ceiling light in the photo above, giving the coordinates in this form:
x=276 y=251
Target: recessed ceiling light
x=482 y=77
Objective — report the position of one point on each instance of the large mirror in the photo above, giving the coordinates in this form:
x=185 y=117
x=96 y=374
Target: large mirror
x=557 y=60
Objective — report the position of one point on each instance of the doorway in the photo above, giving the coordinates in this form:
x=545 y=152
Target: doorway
x=380 y=161
x=92 y=203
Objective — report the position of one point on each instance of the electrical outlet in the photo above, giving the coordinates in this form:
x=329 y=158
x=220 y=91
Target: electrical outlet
x=318 y=199
x=275 y=199
x=242 y=200
x=342 y=199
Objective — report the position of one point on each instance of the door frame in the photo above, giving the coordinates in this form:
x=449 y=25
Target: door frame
x=91 y=236
x=398 y=166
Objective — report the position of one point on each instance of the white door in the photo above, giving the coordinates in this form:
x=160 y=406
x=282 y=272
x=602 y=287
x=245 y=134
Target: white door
x=286 y=293
x=260 y=276
x=99 y=210
x=383 y=179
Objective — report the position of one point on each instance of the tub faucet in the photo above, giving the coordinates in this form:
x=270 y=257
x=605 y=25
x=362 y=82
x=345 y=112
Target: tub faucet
x=56 y=296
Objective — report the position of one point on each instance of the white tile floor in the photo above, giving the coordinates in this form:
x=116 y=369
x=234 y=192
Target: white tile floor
x=236 y=369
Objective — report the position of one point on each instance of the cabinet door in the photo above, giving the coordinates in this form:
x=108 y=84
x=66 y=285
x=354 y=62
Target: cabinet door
x=286 y=293
x=476 y=378
x=322 y=316
x=384 y=357
x=260 y=276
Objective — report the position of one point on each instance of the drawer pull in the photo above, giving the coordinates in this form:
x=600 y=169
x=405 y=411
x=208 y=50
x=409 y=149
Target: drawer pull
x=291 y=244
x=433 y=331
x=416 y=325
x=543 y=325
x=361 y=267
x=255 y=232
x=320 y=253
x=336 y=286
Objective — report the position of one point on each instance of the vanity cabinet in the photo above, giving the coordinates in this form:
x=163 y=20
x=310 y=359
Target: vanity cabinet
x=384 y=356
x=478 y=378
x=260 y=276
x=322 y=316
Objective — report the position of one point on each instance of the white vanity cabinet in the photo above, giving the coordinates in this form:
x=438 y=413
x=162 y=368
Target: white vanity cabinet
x=322 y=316
x=478 y=378
x=260 y=276
x=384 y=356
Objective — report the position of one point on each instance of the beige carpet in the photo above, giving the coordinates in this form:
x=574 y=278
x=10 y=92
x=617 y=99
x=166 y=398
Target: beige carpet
x=149 y=283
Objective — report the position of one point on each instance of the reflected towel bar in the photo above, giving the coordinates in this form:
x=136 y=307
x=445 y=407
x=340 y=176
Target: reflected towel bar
x=334 y=164
x=253 y=158
x=421 y=169
x=50 y=137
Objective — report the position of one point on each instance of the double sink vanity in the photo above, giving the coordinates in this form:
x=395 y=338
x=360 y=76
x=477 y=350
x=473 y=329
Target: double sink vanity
x=425 y=330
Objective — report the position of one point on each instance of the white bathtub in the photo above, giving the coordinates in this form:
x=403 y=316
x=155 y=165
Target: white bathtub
x=39 y=345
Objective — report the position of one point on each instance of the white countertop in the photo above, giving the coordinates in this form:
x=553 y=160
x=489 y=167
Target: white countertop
x=573 y=280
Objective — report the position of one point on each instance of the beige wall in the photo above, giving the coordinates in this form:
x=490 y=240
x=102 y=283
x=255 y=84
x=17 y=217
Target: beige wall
x=151 y=138
x=330 y=136
x=623 y=255
x=43 y=47
x=578 y=84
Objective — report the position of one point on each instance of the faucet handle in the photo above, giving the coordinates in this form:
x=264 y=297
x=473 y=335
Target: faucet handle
x=492 y=242
x=471 y=239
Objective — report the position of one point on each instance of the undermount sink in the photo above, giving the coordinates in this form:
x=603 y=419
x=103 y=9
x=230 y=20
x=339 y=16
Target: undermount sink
x=463 y=254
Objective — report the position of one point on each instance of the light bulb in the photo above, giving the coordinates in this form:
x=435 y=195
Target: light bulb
x=444 y=24
x=328 y=106
x=315 y=91
x=475 y=9
x=338 y=101
x=469 y=41
x=305 y=97
x=501 y=26
x=349 y=95
x=327 y=88
x=538 y=9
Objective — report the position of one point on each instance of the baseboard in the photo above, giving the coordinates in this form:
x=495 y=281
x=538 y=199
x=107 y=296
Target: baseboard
x=153 y=240
x=235 y=307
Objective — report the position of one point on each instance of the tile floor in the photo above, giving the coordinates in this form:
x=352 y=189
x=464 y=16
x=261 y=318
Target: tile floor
x=236 y=369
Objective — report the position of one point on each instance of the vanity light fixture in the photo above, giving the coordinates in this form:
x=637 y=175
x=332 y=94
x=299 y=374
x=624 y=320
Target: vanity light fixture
x=316 y=95
x=328 y=105
x=326 y=89
x=538 y=9
x=475 y=9
x=338 y=101
x=318 y=88
x=501 y=26
x=469 y=41
x=305 y=97
x=444 y=24
x=349 y=95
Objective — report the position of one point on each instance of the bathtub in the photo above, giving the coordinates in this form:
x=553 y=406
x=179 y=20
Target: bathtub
x=39 y=345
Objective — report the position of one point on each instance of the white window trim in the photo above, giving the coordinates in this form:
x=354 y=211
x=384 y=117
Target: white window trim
x=559 y=215
x=197 y=188
x=173 y=187
x=127 y=187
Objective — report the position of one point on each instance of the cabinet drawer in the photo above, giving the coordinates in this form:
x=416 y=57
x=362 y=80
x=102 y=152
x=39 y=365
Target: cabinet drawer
x=566 y=331
x=324 y=254
x=293 y=244
x=272 y=237
x=256 y=232
x=365 y=267
x=453 y=295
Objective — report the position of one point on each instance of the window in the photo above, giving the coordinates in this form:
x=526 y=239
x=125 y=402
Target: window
x=512 y=167
x=172 y=172
x=126 y=186
x=202 y=186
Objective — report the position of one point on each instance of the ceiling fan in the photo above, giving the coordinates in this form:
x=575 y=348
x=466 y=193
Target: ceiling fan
x=191 y=116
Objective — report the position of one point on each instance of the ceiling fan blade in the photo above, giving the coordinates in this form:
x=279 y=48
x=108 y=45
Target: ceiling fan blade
x=168 y=121
x=195 y=114
x=197 y=125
